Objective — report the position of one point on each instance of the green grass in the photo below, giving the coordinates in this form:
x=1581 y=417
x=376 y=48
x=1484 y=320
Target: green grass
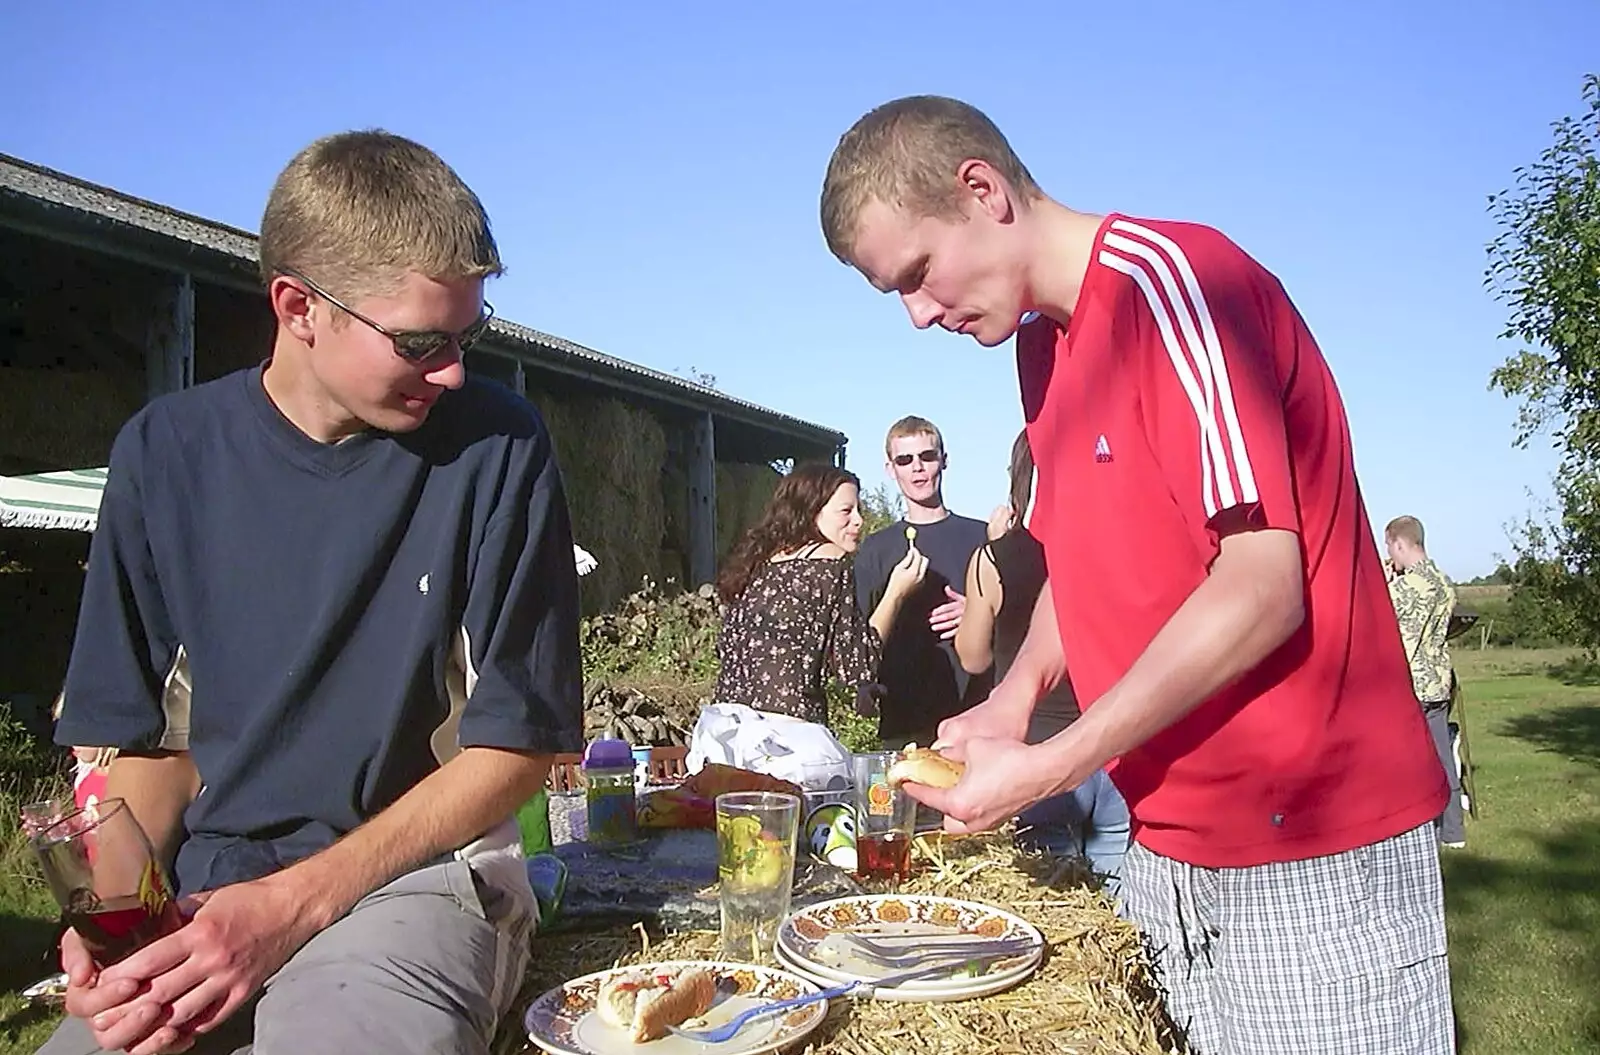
x=27 y=931
x=1523 y=899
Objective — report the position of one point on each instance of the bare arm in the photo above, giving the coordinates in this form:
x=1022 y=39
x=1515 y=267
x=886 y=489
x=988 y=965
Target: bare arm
x=157 y=788
x=240 y=934
x=903 y=577
x=1249 y=605
x=455 y=804
x=975 y=637
x=1040 y=664
x=885 y=614
x=1039 y=667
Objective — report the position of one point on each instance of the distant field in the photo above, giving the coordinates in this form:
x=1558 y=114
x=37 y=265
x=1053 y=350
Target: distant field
x=1473 y=596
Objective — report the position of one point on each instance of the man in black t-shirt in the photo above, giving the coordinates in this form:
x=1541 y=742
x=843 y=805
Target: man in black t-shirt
x=359 y=561
x=920 y=682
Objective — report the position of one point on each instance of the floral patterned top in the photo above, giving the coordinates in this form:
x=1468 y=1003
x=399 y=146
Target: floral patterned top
x=1423 y=601
x=795 y=623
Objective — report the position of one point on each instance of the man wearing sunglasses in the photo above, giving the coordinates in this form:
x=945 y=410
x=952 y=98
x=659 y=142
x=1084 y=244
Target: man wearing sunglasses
x=920 y=681
x=359 y=562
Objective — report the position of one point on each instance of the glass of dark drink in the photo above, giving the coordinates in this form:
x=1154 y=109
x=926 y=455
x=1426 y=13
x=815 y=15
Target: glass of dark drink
x=885 y=819
x=106 y=879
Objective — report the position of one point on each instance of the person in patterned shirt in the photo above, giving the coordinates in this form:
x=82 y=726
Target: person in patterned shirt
x=790 y=623
x=1423 y=601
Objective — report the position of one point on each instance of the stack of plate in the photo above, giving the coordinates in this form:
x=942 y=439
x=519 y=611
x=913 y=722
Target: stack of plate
x=811 y=943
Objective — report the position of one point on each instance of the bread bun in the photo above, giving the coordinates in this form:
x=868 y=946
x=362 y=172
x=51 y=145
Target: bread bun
x=644 y=1005
x=617 y=997
x=923 y=765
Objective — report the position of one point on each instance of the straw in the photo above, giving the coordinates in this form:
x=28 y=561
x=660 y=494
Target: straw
x=1093 y=995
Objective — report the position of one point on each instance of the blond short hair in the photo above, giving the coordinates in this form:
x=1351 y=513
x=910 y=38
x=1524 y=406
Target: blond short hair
x=911 y=425
x=1405 y=529
x=905 y=153
x=355 y=211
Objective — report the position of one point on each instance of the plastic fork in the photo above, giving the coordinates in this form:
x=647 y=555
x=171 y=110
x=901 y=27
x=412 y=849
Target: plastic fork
x=729 y=1029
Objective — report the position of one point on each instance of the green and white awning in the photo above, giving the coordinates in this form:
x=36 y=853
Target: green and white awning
x=69 y=499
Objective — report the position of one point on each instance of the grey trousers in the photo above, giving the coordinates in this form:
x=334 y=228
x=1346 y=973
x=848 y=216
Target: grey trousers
x=1452 y=823
x=425 y=964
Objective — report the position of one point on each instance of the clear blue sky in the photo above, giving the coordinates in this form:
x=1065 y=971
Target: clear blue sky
x=653 y=169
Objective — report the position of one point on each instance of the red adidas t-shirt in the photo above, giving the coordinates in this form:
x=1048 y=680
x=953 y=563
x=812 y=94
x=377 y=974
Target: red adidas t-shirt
x=1189 y=400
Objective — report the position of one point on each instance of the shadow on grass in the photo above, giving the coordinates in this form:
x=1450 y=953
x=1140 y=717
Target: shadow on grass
x=1552 y=891
x=1572 y=731
x=27 y=950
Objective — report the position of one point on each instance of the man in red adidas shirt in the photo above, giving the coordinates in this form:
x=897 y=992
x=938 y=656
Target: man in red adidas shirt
x=1215 y=591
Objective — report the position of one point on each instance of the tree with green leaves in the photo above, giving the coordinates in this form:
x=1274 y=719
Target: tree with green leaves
x=1545 y=266
x=880 y=507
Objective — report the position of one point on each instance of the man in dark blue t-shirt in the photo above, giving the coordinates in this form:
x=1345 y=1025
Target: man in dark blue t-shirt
x=921 y=681
x=359 y=561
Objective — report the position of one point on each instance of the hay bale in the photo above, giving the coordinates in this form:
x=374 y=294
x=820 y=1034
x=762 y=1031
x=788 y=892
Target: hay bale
x=63 y=419
x=743 y=490
x=611 y=457
x=1094 y=993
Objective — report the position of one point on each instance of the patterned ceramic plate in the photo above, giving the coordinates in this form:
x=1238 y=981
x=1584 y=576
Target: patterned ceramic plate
x=811 y=942
x=564 y=1020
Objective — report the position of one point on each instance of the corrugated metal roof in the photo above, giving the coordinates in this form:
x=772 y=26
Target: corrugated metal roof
x=49 y=190
x=68 y=192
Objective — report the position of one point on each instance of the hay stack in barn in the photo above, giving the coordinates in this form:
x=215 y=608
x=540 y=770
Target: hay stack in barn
x=611 y=462
x=63 y=419
x=743 y=490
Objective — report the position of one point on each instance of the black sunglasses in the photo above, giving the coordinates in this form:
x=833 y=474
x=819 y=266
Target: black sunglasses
x=929 y=455
x=414 y=346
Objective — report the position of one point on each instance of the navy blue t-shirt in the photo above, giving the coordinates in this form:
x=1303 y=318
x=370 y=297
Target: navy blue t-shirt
x=922 y=676
x=333 y=603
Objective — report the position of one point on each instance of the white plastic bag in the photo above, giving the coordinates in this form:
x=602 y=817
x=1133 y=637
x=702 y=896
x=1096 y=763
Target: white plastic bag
x=802 y=753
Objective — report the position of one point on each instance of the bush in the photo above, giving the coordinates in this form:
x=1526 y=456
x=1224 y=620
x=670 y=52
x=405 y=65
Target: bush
x=1515 y=618
x=854 y=732
x=30 y=767
x=31 y=770
x=651 y=637
x=664 y=646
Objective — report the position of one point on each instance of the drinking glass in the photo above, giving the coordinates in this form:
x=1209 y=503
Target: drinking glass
x=885 y=819
x=756 y=834
x=104 y=875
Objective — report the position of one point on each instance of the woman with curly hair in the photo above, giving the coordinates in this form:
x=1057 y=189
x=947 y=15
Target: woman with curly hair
x=790 y=621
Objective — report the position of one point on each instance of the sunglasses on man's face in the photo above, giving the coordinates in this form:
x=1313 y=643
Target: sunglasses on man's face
x=414 y=346
x=929 y=455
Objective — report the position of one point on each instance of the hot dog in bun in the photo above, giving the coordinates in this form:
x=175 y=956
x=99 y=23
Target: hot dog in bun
x=644 y=1005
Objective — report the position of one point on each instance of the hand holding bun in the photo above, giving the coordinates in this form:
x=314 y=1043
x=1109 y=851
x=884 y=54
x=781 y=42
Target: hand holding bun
x=923 y=765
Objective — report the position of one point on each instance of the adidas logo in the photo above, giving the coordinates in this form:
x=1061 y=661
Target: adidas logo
x=1102 y=449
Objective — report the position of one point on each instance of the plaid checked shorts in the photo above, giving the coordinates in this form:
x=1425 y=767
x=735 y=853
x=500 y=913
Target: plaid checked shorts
x=1337 y=955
